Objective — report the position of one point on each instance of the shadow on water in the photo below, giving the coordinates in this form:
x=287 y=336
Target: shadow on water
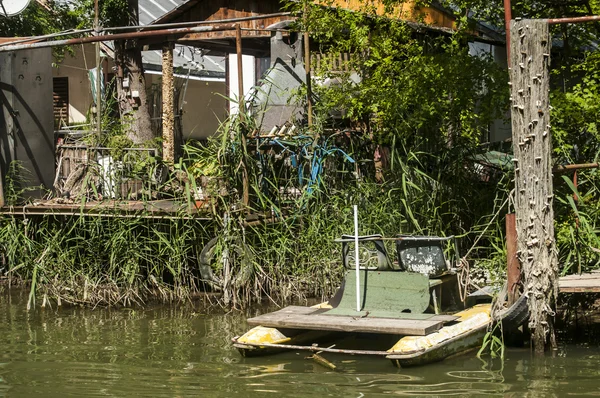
x=184 y=351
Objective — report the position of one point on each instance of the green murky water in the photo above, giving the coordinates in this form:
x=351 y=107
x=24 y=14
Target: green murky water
x=174 y=351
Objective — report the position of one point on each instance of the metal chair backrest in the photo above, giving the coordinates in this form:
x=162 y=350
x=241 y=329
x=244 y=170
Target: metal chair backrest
x=371 y=249
x=423 y=254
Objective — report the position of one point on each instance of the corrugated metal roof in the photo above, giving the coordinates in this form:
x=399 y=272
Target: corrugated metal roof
x=184 y=57
x=188 y=59
x=151 y=10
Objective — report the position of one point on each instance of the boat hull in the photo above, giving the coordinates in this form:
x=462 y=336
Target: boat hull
x=455 y=346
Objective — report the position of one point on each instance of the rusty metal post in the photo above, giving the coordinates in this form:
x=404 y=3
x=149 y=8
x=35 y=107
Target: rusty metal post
x=576 y=200
x=1 y=189
x=168 y=104
x=575 y=184
x=513 y=268
x=241 y=111
x=589 y=18
x=567 y=167
x=507 y=18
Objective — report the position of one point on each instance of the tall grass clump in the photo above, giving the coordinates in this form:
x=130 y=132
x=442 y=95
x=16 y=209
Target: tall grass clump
x=306 y=203
x=106 y=260
x=279 y=247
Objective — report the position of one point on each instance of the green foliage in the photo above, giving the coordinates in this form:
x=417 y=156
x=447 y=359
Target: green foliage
x=112 y=13
x=424 y=90
x=103 y=260
x=575 y=118
x=16 y=184
x=38 y=20
x=493 y=342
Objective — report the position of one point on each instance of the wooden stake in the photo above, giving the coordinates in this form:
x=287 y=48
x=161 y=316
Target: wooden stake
x=322 y=361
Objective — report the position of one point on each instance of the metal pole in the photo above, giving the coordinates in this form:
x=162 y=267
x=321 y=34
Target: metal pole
x=567 y=167
x=307 y=68
x=592 y=18
x=507 y=18
x=98 y=73
x=72 y=32
x=198 y=23
x=356 y=258
x=118 y=36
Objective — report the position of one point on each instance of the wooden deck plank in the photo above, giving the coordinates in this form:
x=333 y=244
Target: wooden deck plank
x=591 y=276
x=584 y=283
x=294 y=317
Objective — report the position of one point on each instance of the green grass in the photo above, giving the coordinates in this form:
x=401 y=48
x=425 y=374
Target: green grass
x=130 y=261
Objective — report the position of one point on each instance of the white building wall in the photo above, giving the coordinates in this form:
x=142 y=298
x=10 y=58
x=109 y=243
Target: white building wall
x=205 y=106
x=205 y=103
x=75 y=66
x=249 y=76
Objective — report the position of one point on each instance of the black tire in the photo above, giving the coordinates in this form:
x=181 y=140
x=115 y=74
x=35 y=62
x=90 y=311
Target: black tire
x=515 y=315
x=242 y=267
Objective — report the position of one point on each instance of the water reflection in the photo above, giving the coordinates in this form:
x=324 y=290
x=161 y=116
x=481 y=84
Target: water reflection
x=185 y=351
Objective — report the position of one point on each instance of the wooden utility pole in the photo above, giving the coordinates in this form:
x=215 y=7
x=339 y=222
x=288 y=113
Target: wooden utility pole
x=168 y=104
x=532 y=145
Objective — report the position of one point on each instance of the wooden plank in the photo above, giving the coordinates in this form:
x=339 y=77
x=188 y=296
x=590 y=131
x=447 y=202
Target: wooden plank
x=595 y=276
x=305 y=318
x=312 y=348
x=579 y=289
x=587 y=285
x=299 y=310
x=110 y=208
x=584 y=283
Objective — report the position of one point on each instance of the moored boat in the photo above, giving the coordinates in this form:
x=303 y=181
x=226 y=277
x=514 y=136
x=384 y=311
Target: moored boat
x=405 y=309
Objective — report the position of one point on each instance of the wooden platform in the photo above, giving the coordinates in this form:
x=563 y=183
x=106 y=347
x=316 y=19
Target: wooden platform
x=108 y=208
x=584 y=283
x=295 y=317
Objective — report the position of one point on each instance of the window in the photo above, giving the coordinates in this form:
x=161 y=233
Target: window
x=60 y=97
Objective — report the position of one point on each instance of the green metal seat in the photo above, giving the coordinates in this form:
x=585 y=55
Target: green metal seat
x=385 y=294
x=400 y=290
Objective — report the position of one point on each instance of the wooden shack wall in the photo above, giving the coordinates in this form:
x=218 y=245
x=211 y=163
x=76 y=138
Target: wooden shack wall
x=230 y=9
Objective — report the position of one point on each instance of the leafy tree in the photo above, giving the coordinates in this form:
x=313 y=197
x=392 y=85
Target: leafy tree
x=422 y=88
x=416 y=94
x=52 y=16
x=135 y=115
x=37 y=19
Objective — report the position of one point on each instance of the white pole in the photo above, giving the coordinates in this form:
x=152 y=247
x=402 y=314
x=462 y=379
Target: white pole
x=356 y=257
